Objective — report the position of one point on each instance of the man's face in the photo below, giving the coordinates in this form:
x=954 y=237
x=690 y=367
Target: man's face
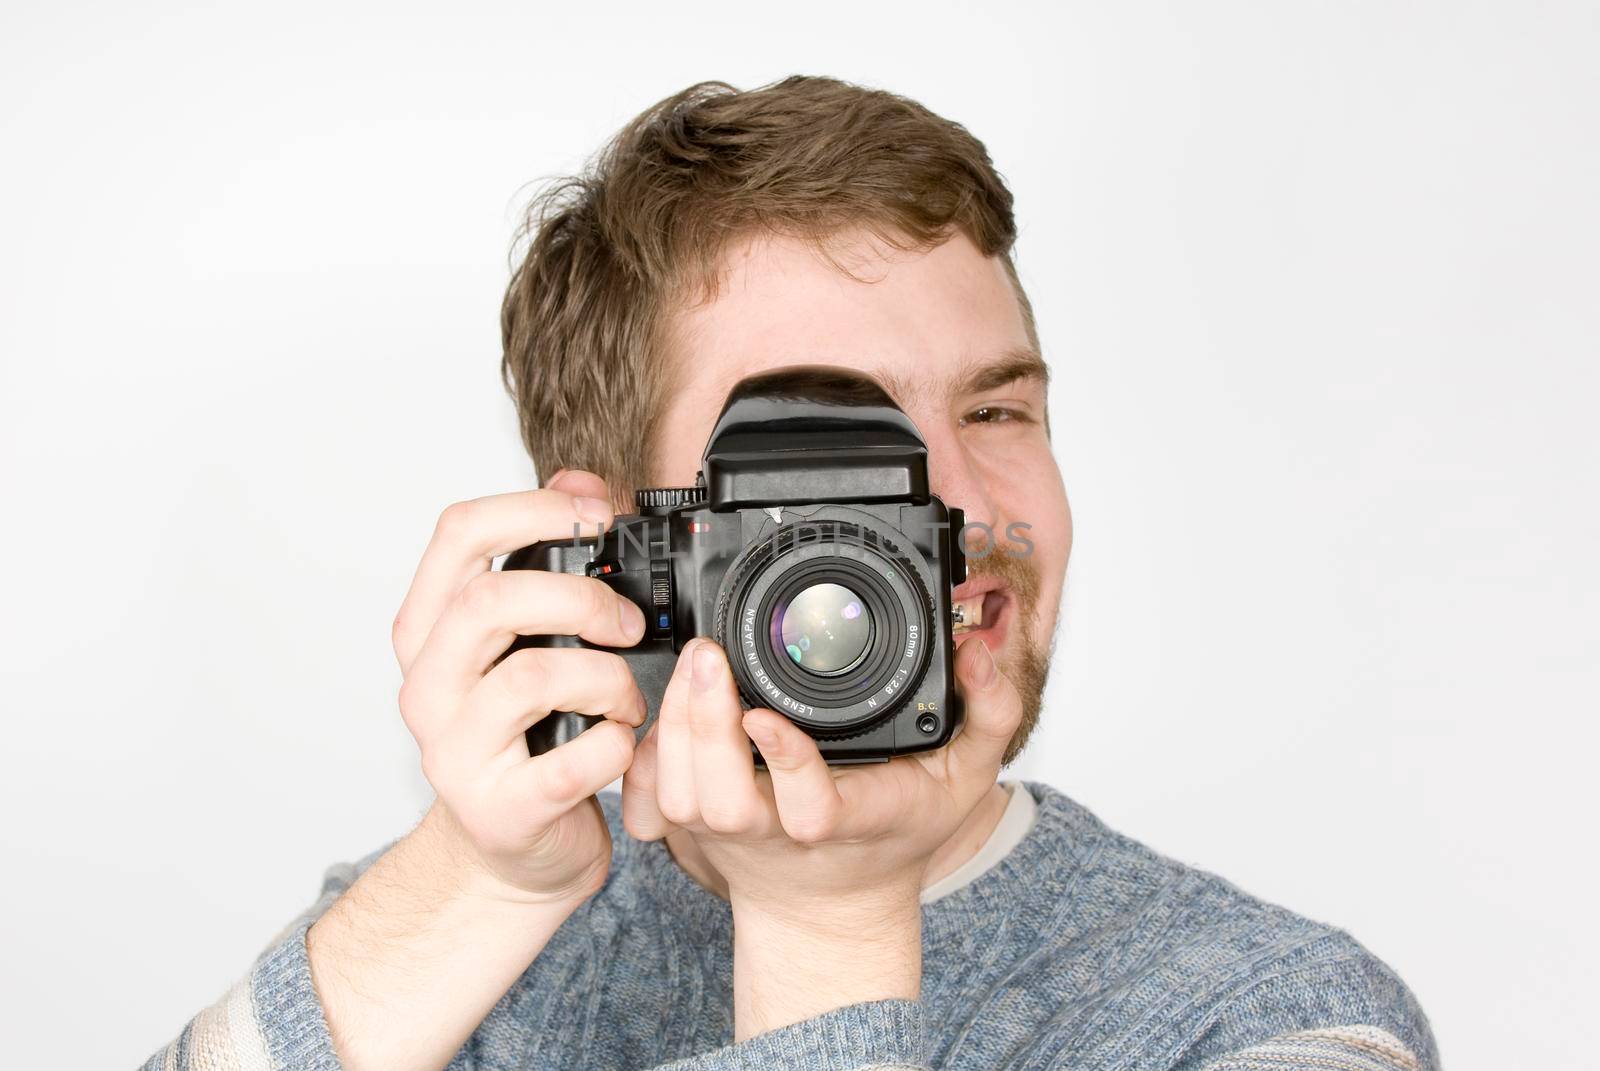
x=943 y=331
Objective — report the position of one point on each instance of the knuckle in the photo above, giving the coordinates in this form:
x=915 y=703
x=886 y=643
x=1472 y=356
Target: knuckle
x=400 y=630
x=676 y=808
x=456 y=520
x=727 y=818
x=639 y=824
x=717 y=818
x=809 y=827
x=560 y=779
x=480 y=595
x=410 y=703
x=524 y=674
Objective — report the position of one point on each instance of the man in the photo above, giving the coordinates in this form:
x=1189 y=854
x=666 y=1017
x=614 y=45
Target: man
x=912 y=914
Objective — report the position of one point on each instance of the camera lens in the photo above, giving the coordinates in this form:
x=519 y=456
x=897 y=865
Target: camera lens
x=831 y=624
x=825 y=628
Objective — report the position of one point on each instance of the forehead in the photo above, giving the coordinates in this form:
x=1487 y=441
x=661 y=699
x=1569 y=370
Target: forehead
x=922 y=322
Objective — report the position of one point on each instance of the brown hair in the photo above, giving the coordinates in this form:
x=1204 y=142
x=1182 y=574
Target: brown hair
x=608 y=252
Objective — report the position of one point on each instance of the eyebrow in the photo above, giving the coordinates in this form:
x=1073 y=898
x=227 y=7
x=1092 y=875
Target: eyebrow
x=1011 y=366
x=1024 y=362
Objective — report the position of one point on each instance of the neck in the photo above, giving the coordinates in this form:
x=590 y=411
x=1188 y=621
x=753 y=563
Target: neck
x=961 y=846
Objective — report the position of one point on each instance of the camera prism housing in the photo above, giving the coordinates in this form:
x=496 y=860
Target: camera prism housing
x=811 y=549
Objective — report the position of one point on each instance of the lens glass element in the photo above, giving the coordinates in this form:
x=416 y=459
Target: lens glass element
x=825 y=628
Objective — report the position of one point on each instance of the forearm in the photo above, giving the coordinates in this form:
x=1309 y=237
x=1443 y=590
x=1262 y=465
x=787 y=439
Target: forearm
x=416 y=953
x=793 y=964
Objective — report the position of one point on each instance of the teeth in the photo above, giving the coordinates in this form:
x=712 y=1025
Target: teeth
x=967 y=614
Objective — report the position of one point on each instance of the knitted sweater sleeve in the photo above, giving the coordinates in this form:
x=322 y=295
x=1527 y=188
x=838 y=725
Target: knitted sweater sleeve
x=885 y=1035
x=1349 y=1048
x=271 y=1018
x=1328 y=998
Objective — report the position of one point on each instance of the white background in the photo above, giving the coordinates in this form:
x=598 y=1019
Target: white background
x=1318 y=285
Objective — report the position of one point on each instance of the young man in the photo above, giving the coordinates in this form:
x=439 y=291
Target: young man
x=912 y=914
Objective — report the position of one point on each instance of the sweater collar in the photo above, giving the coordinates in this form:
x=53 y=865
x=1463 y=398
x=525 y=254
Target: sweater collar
x=1033 y=880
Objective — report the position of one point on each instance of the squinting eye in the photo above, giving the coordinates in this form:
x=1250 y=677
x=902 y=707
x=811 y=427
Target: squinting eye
x=991 y=414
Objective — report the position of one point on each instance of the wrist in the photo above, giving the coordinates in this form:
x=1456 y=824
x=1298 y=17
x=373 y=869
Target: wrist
x=409 y=960
x=426 y=889
x=861 y=914
x=455 y=869
x=798 y=960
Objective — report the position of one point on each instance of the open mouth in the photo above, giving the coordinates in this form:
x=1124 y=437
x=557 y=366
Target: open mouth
x=983 y=608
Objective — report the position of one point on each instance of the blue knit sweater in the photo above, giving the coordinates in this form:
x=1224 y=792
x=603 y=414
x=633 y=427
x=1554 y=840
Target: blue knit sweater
x=1081 y=949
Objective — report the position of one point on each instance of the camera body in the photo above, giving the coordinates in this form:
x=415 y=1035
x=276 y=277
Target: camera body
x=811 y=549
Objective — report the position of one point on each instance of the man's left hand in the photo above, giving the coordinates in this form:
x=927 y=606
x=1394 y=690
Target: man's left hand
x=823 y=864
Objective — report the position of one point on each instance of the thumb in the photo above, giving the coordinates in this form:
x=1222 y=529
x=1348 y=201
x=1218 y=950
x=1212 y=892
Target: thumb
x=993 y=710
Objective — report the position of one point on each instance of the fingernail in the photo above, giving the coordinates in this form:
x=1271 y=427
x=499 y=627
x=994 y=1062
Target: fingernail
x=983 y=668
x=592 y=510
x=705 y=666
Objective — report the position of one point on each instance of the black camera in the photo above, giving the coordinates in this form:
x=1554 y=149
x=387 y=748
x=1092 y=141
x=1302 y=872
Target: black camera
x=811 y=549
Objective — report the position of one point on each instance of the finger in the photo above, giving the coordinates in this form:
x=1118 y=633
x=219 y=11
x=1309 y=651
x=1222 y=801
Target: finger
x=809 y=806
x=470 y=535
x=543 y=788
x=640 y=816
x=993 y=711
x=489 y=613
x=879 y=798
x=532 y=682
x=724 y=768
x=675 y=789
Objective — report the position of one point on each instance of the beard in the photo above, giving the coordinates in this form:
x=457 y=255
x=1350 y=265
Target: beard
x=1027 y=663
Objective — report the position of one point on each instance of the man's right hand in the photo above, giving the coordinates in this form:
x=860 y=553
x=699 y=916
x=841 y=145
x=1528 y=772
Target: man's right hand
x=530 y=826
x=411 y=958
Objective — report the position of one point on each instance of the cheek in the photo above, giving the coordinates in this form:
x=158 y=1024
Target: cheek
x=1048 y=510
x=1025 y=485
x=1050 y=532
x=1052 y=499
